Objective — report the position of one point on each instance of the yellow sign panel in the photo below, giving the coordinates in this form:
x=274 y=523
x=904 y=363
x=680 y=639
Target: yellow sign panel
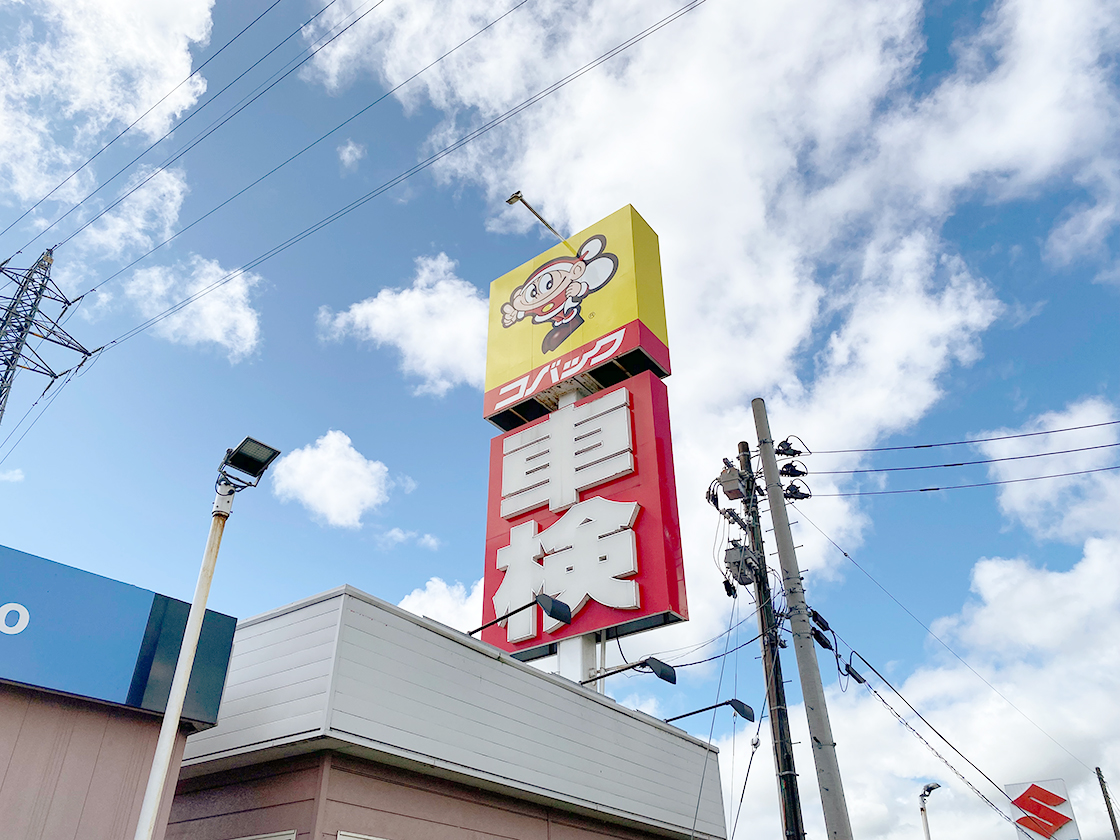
x=559 y=301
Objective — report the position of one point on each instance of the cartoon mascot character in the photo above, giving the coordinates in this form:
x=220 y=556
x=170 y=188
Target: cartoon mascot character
x=554 y=291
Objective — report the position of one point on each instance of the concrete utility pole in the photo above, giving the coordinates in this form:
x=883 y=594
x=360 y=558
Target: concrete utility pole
x=788 y=796
x=837 y=824
x=1108 y=804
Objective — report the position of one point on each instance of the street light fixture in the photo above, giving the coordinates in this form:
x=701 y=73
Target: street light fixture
x=922 y=797
x=659 y=669
x=741 y=709
x=252 y=458
x=517 y=196
x=553 y=608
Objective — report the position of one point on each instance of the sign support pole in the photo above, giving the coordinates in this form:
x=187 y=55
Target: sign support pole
x=837 y=824
x=575 y=656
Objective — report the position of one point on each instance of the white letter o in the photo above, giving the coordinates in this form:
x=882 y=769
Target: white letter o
x=22 y=617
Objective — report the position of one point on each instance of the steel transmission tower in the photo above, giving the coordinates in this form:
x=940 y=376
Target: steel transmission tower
x=21 y=319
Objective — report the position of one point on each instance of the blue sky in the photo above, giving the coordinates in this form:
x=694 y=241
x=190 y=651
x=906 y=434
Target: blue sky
x=896 y=222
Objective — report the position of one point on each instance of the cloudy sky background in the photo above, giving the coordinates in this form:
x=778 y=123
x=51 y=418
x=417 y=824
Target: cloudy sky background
x=896 y=222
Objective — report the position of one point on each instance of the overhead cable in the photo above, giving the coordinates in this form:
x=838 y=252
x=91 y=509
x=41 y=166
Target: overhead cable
x=967 y=486
x=134 y=123
x=967 y=463
x=939 y=756
x=462 y=141
x=306 y=148
x=967 y=442
x=447 y=150
x=711 y=732
x=245 y=102
x=941 y=641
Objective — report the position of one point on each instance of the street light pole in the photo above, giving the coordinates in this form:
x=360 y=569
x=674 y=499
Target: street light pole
x=165 y=747
x=252 y=458
x=922 y=797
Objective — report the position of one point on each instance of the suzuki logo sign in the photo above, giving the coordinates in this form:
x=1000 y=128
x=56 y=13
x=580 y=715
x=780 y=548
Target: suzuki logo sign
x=1047 y=812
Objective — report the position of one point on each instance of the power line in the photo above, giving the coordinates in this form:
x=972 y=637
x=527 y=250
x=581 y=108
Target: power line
x=966 y=442
x=938 y=639
x=942 y=758
x=447 y=150
x=214 y=126
x=966 y=463
x=967 y=486
x=836 y=652
x=306 y=148
x=750 y=641
x=134 y=123
x=471 y=136
x=711 y=731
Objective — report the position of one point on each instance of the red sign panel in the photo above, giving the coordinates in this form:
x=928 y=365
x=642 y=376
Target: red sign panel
x=1041 y=817
x=583 y=507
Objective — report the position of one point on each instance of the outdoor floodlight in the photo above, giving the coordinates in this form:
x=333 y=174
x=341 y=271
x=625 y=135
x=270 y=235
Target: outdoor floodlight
x=517 y=196
x=926 y=791
x=656 y=666
x=741 y=709
x=661 y=670
x=250 y=457
x=553 y=608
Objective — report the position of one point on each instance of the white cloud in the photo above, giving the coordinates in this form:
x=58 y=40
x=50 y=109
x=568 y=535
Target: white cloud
x=406 y=482
x=397 y=536
x=143 y=219
x=450 y=604
x=349 y=153
x=1069 y=508
x=85 y=67
x=12 y=476
x=332 y=479
x=438 y=325
x=224 y=316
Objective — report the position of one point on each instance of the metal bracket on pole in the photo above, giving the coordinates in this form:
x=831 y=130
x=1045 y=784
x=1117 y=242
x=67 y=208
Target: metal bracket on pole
x=223 y=499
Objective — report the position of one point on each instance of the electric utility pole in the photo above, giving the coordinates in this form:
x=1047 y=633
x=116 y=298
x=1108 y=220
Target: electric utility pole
x=1108 y=804
x=748 y=565
x=21 y=320
x=836 y=822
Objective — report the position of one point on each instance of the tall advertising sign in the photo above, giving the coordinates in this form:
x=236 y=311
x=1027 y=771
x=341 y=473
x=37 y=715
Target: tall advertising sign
x=596 y=316
x=1044 y=809
x=582 y=498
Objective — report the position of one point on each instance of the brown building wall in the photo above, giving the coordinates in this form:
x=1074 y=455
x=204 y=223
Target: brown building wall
x=72 y=769
x=321 y=795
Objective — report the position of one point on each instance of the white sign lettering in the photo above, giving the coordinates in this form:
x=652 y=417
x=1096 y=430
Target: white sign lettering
x=548 y=375
x=22 y=619
x=576 y=448
x=587 y=555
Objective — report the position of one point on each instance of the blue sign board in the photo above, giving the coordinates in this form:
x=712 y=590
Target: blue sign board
x=79 y=633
